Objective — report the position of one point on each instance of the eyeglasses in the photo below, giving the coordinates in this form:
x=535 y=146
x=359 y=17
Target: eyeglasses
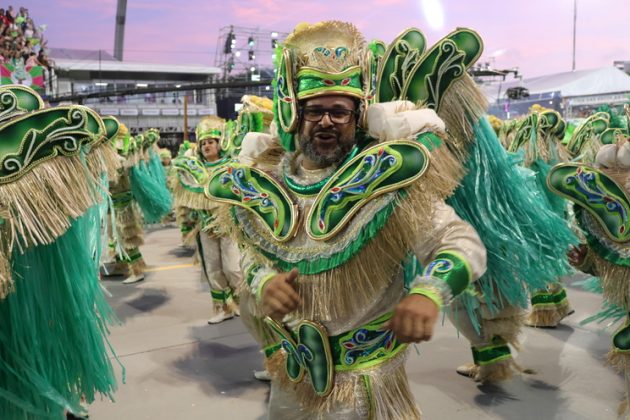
x=337 y=115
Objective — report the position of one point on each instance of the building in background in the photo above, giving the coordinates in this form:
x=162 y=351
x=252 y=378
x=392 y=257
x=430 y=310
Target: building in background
x=79 y=73
x=573 y=94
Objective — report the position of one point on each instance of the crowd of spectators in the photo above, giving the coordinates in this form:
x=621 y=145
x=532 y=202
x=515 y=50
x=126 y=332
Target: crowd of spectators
x=22 y=43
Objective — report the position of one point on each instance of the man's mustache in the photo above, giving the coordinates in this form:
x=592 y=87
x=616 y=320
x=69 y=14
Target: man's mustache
x=325 y=131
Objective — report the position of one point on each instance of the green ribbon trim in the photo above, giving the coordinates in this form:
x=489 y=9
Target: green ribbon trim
x=210 y=134
x=314 y=189
x=221 y=295
x=271 y=350
x=312 y=82
x=430 y=293
x=430 y=140
x=451 y=267
x=133 y=255
x=496 y=352
x=122 y=199
x=216 y=163
x=604 y=252
x=251 y=272
x=542 y=299
x=370 y=230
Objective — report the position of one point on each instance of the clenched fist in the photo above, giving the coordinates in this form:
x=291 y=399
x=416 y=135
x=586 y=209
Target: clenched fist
x=414 y=318
x=279 y=296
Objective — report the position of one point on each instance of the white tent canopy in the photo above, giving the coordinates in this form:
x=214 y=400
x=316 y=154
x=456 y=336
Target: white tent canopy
x=570 y=84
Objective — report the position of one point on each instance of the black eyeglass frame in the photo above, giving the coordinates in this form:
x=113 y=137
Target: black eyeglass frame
x=328 y=111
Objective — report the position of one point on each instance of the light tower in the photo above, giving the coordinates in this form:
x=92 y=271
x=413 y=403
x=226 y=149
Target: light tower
x=119 y=36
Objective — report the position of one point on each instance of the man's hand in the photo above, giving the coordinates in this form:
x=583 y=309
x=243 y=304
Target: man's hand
x=279 y=296
x=414 y=318
x=577 y=254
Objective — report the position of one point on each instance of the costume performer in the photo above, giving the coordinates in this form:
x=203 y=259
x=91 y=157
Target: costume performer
x=219 y=254
x=601 y=198
x=185 y=215
x=346 y=211
x=148 y=179
x=53 y=345
x=536 y=139
x=127 y=233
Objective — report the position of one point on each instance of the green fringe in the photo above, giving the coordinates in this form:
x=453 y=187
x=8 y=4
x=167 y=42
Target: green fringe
x=553 y=201
x=526 y=242
x=152 y=194
x=53 y=335
x=591 y=284
x=369 y=231
x=609 y=313
x=156 y=169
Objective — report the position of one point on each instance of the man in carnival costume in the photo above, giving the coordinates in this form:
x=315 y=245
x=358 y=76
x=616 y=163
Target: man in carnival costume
x=53 y=199
x=601 y=200
x=536 y=146
x=218 y=253
x=327 y=233
x=127 y=231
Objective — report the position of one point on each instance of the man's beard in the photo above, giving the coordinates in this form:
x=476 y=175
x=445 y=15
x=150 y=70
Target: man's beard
x=333 y=155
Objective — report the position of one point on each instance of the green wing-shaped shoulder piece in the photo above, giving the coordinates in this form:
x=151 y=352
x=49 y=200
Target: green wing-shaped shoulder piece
x=33 y=138
x=151 y=137
x=308 y=350
x=587 y=132
x=18 y=99
x=526 y=132
x=551 y=123
x=396 y=63
x=445 y=63
x=112 y=127
x=596 y=192
x=247 y=122
x=254 y=190
x=612 y=135
x=286 y=106
x=191 y=173
x=377 y=170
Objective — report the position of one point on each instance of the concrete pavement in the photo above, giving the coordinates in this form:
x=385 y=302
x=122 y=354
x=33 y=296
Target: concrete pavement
x=179 y=367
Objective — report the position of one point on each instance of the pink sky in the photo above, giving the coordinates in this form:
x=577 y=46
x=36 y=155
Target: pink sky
x=534 y=35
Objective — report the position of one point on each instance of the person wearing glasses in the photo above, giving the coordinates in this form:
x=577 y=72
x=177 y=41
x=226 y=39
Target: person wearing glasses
x=348 y=246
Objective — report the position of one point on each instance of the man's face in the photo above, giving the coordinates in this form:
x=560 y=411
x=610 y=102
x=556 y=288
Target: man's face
x=329 y=140
x=210 y=149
